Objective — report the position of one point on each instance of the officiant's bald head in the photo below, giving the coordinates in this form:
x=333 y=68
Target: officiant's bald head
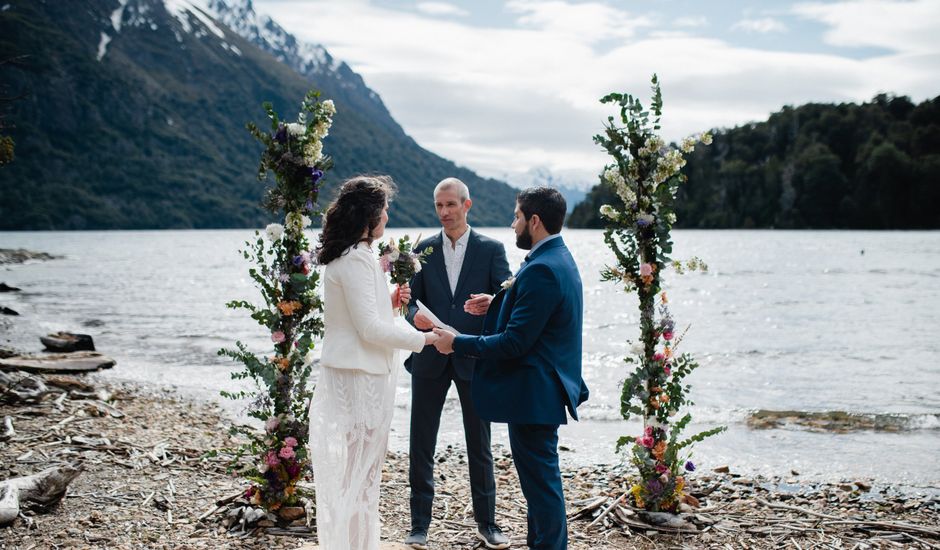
x=453 y=184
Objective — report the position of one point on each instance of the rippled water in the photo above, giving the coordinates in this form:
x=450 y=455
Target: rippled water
x=810 y=322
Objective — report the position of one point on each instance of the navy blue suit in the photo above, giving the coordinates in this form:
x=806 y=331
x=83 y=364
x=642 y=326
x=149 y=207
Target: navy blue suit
x=529 y=373
x=483 y=269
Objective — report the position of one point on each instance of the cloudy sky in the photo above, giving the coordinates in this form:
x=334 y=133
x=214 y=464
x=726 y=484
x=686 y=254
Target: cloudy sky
x=505 y=87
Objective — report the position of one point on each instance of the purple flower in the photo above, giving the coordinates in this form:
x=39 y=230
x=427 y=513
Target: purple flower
x=689 y=466
x=309 y=205
x=281 y=135
x=315 y=175
x=654 y=487
x=298 y=260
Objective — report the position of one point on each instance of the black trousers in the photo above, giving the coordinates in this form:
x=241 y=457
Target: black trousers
x=427 y=402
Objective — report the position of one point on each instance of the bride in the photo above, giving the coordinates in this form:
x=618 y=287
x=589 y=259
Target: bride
x=351 y=409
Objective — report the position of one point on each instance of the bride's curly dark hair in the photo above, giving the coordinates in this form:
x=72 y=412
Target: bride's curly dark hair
x=358 y=207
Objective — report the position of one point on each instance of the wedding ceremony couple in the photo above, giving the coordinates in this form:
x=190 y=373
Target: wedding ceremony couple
x=514 y=355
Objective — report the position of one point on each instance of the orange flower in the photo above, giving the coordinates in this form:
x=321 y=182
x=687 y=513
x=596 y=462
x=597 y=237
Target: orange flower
x=667 y=351
x=288 y=491
x=282 y=362
x=654 y=402
x=664 y=398
x=664 y=298
x=288 y=308
x=659 y=450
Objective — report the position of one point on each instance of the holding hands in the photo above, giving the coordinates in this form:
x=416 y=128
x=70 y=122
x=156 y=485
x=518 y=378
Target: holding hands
x=445 y=341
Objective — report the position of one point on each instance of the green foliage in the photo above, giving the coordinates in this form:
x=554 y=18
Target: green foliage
x=868 y=166
x=6 y=150
x=152 y=135
x=642 y=184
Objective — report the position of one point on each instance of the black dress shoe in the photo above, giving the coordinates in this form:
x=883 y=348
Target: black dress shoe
x=418 y=539
x=492 y=536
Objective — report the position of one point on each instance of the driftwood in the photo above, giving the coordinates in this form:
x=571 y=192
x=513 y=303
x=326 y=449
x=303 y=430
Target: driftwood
x=66 y=342
x=66 y=363
x=8 y=431
x=44 y=489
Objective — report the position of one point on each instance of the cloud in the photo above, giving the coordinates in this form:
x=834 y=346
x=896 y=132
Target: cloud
x=502 y=99
x=441 y=8
x=899 y=26
x=763 y=25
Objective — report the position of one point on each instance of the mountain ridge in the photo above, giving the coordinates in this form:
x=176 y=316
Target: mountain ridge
x=136 y=111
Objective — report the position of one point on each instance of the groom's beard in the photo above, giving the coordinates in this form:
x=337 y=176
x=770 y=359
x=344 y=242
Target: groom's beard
x=524 y=240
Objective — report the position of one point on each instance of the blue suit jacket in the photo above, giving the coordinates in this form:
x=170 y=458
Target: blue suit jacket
x=530 y=350
x=484 y=268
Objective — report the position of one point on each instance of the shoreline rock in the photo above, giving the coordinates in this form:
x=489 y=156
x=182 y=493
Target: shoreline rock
x=21 y=255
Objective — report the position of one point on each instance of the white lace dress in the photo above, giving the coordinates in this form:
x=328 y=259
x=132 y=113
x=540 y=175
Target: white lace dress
x=351 y=409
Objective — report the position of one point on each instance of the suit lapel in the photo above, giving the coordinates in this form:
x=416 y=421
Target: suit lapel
x=436 y=260
x=466 y=266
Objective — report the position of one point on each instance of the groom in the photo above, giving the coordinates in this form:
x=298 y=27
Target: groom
x=459 y=278
x=530 y=352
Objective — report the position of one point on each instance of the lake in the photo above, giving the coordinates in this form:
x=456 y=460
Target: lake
x=805 y=321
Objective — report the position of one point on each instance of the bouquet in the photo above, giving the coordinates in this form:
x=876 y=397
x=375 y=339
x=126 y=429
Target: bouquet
x=402 y=262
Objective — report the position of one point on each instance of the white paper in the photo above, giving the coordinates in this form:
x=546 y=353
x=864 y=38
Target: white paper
x=433 y=318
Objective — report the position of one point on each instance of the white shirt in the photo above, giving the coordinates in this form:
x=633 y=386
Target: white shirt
x=453 y=257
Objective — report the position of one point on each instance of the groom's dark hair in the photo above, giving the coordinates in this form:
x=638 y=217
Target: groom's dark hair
x=547 y=202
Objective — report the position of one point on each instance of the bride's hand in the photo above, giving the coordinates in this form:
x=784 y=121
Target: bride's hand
x=401 y=295
x=430 y=338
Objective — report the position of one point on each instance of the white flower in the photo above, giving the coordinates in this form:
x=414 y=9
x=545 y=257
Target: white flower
x=328 y=107
x=613 y=175
x=706 y=138
x=645 y=219
x=638 y=348
x=688 y=144
x=417 y=264
x=263 y=467
x=275 y=231
x=671 y=218
x=507 y=284
x=321 y=130
x=313 y=152
x=393 y=255
x=609 y=212
x=296 y=221
x=296 y=129
x=308 y=358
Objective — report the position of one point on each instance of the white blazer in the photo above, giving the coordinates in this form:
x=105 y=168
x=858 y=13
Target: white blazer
x=360 y=332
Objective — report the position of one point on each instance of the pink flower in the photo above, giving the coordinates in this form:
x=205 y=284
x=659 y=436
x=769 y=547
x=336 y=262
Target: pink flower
x=648 y=431
x=290 y=442
x=661 y=469
x=658 y=357
x=667 y=335
x=646 y=270
x=645 y=441
x=286 y=452
x=385 y=263
x=278 y=336
x=271 y=424
x=667 y=370
x=271 y=459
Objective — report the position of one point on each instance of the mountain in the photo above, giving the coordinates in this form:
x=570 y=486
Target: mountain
x=571 y=186
x=874 y=165
x=135 y=113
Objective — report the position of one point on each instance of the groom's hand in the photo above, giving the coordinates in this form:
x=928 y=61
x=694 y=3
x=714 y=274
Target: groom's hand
x=444 y=344
x=478 y=304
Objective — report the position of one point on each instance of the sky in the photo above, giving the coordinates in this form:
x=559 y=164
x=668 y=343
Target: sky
x=511 y=87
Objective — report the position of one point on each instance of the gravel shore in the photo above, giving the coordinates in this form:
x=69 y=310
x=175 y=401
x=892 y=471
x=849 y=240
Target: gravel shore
x=146 y=484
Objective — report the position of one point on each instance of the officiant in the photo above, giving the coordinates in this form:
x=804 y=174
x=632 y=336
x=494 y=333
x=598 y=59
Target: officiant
x=458 y=281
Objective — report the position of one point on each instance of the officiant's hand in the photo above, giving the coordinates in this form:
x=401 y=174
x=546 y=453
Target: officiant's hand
x=422 y=322
x=401 y=295
x=444 y=344
x=478 y=304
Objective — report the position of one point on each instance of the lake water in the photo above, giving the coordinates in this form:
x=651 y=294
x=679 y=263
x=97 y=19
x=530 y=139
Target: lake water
x=784 y=321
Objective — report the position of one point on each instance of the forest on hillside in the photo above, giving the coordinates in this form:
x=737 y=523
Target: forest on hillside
x=874 y=165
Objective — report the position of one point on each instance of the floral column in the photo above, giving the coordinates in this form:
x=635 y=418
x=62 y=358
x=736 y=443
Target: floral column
x=283 y=271
x=645 y=176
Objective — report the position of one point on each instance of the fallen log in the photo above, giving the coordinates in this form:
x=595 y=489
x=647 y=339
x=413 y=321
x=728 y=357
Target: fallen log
x=79 y=361
x=44 y=489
